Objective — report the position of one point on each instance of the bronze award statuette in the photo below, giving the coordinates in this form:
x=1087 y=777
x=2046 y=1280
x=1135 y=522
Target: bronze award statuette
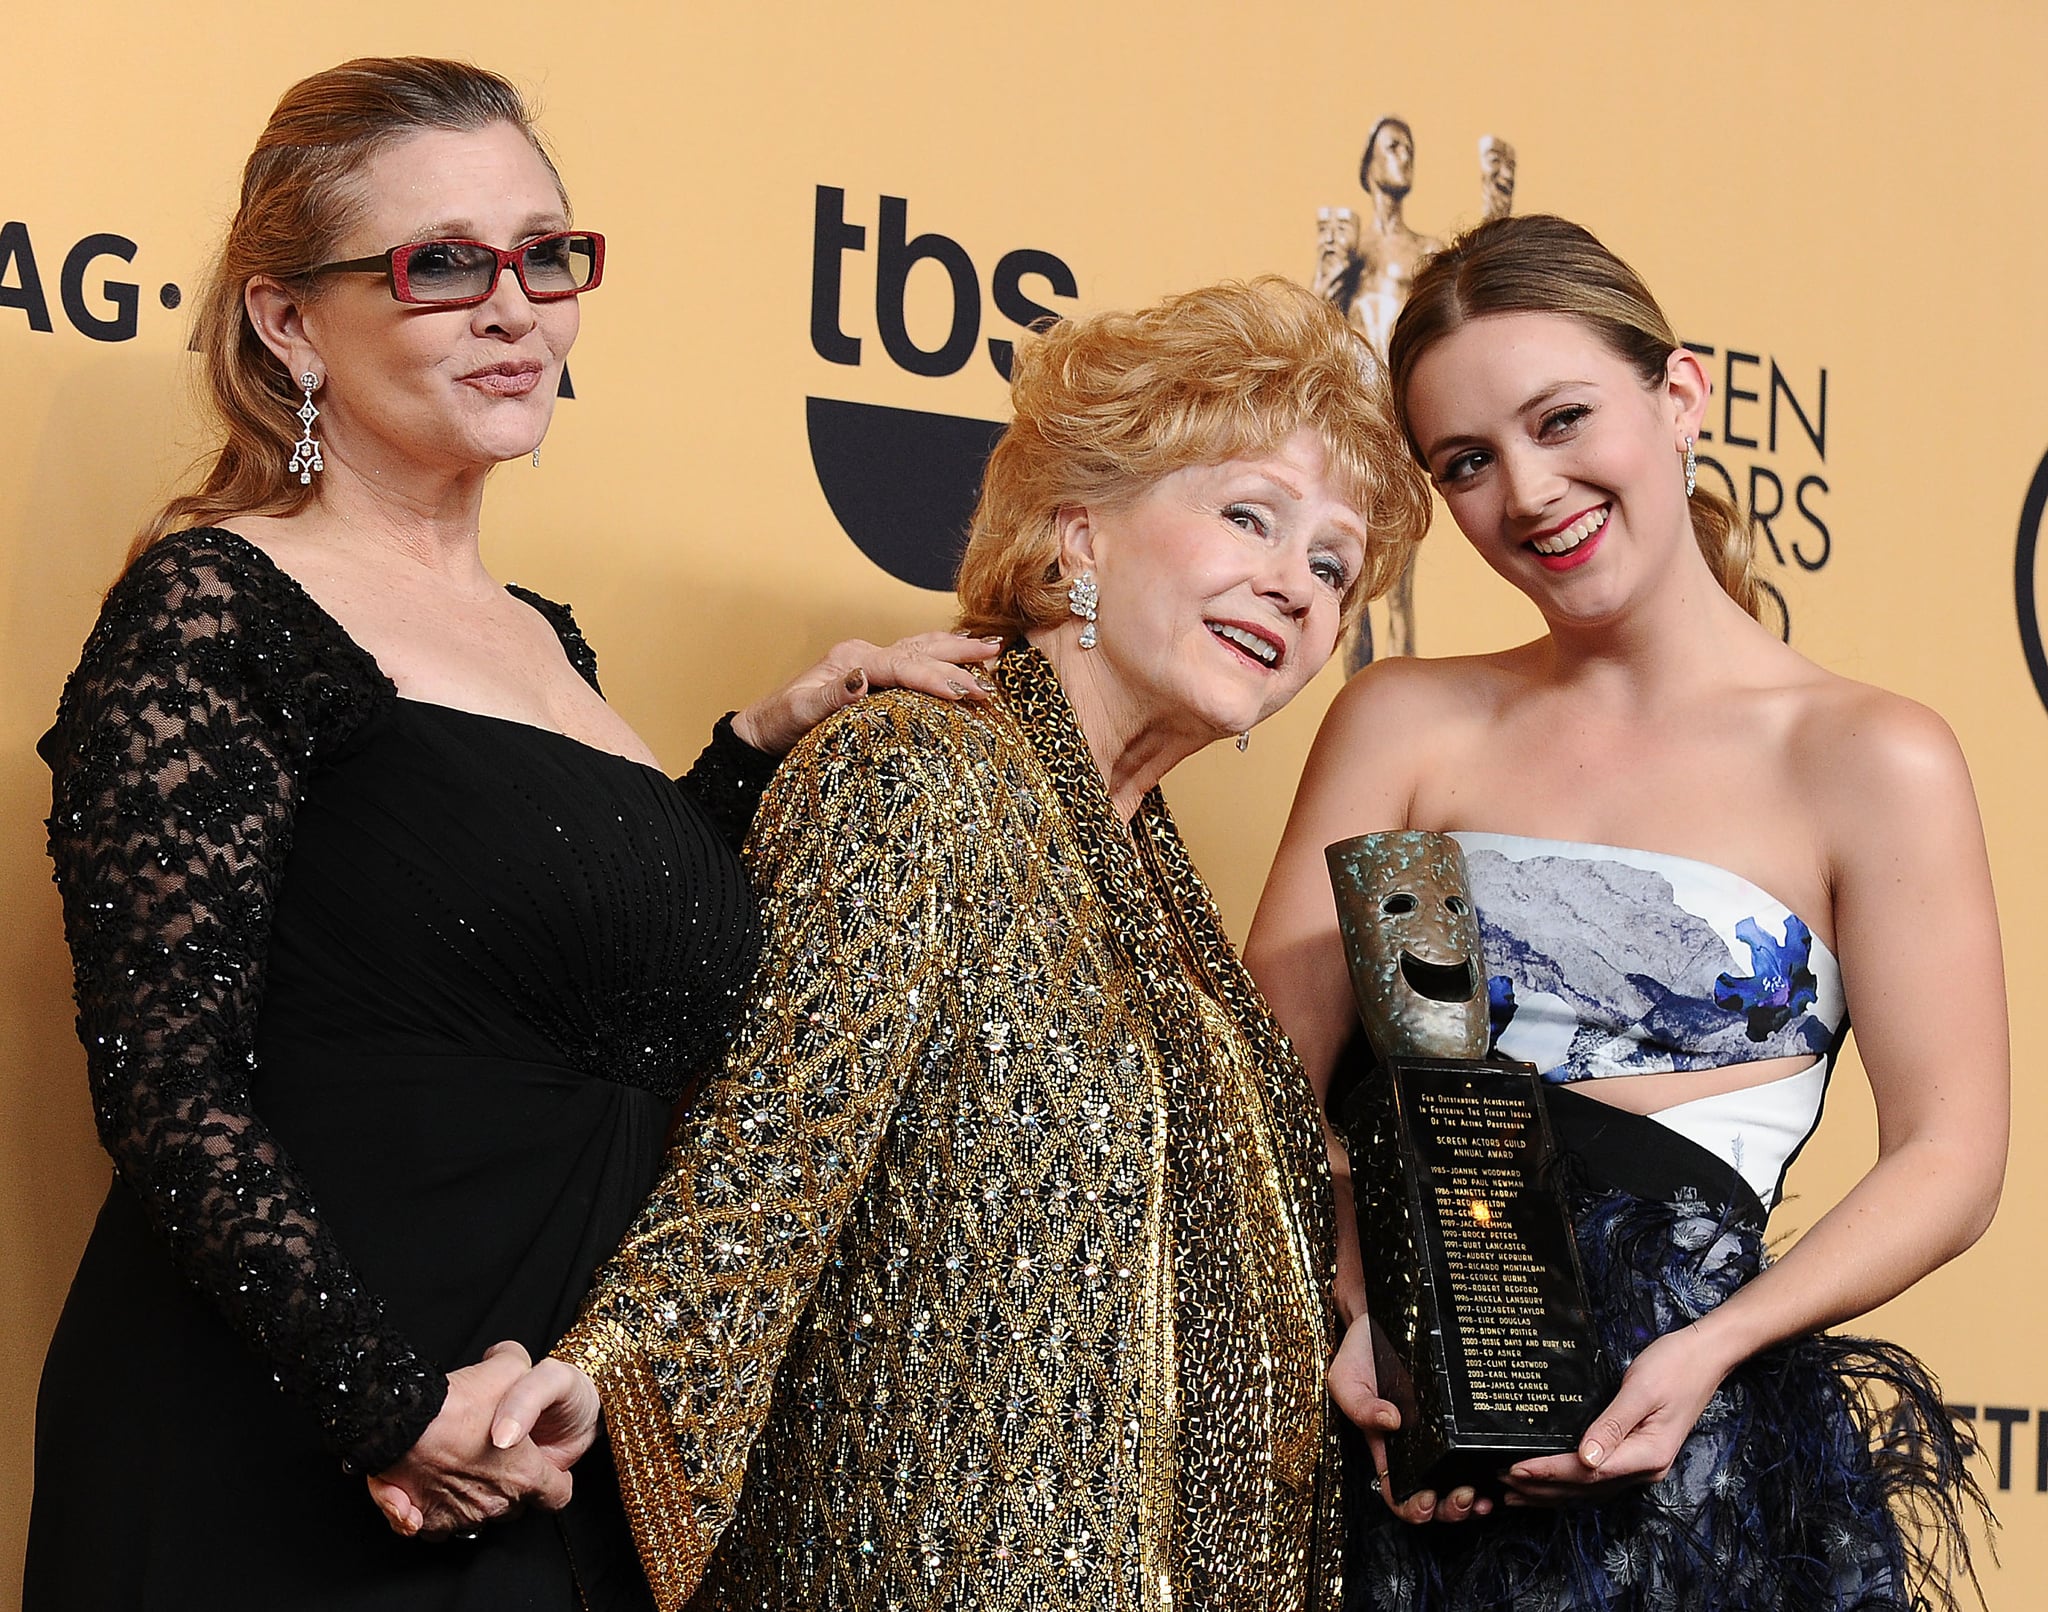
x=1481 y=1330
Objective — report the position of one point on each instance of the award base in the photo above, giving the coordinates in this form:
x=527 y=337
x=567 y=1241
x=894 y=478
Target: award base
x=1482 y=1335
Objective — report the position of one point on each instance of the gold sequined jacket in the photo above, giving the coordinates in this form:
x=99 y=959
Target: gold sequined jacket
x=993 y=1271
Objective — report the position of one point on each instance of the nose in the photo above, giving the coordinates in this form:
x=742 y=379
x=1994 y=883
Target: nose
x=507 y=311
x=1529 y=483
x=1288 y=582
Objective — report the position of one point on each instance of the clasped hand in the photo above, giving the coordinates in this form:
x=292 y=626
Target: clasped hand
x=1632 y=1442
x=505 y=1438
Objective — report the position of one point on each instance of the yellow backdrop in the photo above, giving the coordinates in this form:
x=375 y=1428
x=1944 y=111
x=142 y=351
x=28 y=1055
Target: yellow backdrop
x=1833 y=191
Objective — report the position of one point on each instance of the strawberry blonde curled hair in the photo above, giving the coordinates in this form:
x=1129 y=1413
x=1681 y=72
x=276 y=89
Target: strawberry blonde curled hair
x=1107 y=404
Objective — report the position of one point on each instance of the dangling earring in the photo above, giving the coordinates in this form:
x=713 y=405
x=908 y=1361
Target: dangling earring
x=306 y=451
x=1082 y=596
x=536 y=458
x=1244 y=742
x=1692 y=468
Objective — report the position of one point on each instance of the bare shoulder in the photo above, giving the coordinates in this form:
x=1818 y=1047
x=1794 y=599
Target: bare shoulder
x=1870 y=746
x=1399 y=697
x=1388 y=727
x=1886 y=778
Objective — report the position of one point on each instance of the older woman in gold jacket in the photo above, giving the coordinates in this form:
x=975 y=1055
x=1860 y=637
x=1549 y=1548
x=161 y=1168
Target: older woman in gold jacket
x=994 y=1270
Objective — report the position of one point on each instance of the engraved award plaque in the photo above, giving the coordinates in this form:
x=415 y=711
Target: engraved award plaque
x=1481 y=1331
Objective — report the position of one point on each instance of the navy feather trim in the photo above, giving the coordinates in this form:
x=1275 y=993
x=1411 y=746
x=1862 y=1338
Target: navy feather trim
x=1825 y=1475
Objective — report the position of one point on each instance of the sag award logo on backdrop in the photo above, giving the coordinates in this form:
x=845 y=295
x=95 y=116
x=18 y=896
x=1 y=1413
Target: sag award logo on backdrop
x=1365 y=265
x=902 y=483
x=106 y=311
x=1366 y=260
x=2026 y=601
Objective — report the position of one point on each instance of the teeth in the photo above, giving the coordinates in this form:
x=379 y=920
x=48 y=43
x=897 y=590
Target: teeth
x=1250 y=642
x=1573 y=535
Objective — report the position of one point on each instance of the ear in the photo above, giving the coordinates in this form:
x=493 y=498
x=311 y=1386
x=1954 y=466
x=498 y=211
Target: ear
x=1076 y=528
x=278 y=316
x=1687 y=386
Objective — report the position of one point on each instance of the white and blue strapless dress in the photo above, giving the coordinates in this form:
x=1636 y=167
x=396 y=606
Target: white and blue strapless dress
x=1825 y=1474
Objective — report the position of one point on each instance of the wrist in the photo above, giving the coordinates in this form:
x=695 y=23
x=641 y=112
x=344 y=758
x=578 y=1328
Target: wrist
x=1721 y=1339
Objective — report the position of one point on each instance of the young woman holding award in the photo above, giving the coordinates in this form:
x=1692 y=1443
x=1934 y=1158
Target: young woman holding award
x=1695 y=855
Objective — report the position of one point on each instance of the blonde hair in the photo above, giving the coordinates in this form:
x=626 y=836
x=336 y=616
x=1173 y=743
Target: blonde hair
x=299 y=199
x=1108 y=404
x=1539 y=263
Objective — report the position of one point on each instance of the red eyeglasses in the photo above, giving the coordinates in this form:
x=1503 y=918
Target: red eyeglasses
x=455 y=274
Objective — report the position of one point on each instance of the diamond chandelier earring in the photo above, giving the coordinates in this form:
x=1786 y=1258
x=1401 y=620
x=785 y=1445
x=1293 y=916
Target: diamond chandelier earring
x=1244 y=742
x=306 y=451
x=1692 y=468
x=1082 y=597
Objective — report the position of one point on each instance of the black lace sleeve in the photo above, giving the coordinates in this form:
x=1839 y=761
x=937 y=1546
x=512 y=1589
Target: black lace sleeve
x=178 y=754
x=729 y=779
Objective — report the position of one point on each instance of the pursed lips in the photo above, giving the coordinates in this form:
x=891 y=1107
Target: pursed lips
x=511 y=379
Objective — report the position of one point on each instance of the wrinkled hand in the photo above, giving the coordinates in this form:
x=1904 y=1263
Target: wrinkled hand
x=1637 y=1437
x=1354 y=1385
x=555 y=1407
x=456 y=1478
x=934 y=663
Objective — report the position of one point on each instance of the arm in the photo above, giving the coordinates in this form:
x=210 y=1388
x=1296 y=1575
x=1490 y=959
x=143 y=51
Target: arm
x=1360 y=777
x=1912 y=904
x=686 y=1329
x=173 y=801
x=746 y=746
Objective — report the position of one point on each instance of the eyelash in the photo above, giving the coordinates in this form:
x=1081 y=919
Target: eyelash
x=1339 y=577
x=1334 y=572
x=1562 y=421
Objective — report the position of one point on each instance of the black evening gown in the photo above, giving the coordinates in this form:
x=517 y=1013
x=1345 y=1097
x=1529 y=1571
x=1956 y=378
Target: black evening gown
x=385 y=1049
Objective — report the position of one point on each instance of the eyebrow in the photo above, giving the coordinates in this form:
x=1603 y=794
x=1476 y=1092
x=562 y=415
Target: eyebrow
x=448 y=229
x=1274 y=478
x=1535 y=400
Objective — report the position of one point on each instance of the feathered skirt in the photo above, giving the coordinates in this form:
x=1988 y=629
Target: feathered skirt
x=1825 y=1475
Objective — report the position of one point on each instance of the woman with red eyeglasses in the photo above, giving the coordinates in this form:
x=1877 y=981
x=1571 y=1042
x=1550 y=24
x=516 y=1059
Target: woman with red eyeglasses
x=394 y=946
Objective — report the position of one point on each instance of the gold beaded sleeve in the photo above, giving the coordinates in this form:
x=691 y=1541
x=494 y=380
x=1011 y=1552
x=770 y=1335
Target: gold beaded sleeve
x=689 y=1322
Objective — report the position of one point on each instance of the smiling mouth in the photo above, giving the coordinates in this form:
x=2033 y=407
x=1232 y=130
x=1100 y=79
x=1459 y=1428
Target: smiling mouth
x=1440 y=982
x=1260 y=649
x=1567 y=538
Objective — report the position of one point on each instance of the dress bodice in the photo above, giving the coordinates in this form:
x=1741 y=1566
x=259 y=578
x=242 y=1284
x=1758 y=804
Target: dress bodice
x=488 y=888
x=1605 y=961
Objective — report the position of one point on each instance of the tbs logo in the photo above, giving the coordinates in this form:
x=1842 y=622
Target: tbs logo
x=901 y=482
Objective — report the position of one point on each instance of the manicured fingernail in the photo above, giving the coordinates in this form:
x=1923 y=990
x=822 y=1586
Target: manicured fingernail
x=1591 y=1454
x=993 y=643
x=959 y=689
x=505 y=1434
x=854 y=679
